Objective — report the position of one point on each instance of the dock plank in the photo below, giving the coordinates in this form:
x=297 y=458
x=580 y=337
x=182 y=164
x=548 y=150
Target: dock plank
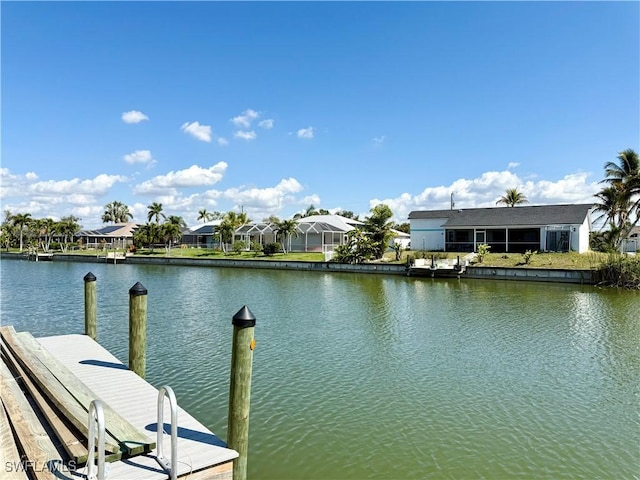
x=201 y=454
x=55 y=391
x=126 y=434
x=68 y=439
x=44 y=460
x=9 y=456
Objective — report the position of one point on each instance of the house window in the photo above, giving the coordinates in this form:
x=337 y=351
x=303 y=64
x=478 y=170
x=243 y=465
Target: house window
x=459 y=240
x=522 y=239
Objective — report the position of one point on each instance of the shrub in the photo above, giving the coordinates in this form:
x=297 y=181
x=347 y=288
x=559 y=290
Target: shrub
x=238 y=246
x=526 y=256
x=271 y=248
x=483 y=249
x=133 y=248
x=256 y=248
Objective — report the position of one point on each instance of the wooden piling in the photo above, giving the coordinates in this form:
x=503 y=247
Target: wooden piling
x=240 y=390
x=90 y=306
x=137 y=328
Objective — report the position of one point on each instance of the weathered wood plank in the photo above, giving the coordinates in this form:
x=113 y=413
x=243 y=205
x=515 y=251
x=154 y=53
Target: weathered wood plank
x=9 y=456
x=43 y=458
x=69 y=440
x=55 y=391
x=133 y=440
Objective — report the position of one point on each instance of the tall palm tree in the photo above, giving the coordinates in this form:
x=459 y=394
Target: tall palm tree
x=225 y=230
x=155 y=211
x=67 y=227
x=21 y=220
x=171 y=231
x=204 y=215
x=512 y=198
x=620 y=200
x=287 y=228
x=116 y=212
x=378 y=226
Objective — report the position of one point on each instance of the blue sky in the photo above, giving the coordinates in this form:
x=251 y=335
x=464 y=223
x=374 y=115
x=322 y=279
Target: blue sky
x=270 y=107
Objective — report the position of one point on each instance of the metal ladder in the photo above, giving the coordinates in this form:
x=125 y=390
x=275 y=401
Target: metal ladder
x=171 y=467
x=96 y=421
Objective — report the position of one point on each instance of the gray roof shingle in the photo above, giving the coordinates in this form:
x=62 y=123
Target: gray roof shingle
x=573 y=214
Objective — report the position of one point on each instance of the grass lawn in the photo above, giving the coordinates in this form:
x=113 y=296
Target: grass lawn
x=570 y=260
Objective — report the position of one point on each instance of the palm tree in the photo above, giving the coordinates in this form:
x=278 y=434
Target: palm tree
x=287 y=228
x=512 y=198
x=378 y=225
x=226 y=229
x=67 y=227
x=116 y=212
x=171 y=231
x=204 y=215
x=155 y=211
x=621 y=198
x=20 y=220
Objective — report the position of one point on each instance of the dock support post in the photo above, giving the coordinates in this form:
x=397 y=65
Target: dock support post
x=137 y=328
x=90 y=306
x=240 y=390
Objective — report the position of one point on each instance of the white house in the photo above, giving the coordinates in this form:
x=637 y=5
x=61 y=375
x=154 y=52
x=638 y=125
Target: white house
x=557 y=228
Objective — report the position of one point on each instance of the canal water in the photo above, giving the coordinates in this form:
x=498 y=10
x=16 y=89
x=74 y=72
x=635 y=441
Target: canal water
x=371 y=376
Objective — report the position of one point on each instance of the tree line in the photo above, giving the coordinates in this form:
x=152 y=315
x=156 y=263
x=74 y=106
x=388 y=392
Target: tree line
x=617 y=203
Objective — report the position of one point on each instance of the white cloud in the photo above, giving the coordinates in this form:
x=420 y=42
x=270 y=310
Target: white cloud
x=134 y=116
x=245 y=135
x=223 y=142
x=305 y=133
x=267 y=123
x=265 y=199
x=485 y=190
x=96 y=186
x=201 y=132
x=378 y=140
x=310 y=200
x=194 y=176
x=55 y=198
x=139 y=156
x=513 y=165
x=245 y=118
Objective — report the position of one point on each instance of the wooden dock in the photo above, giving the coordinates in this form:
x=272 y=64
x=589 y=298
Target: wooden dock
x=437 y=268
x=201 y=454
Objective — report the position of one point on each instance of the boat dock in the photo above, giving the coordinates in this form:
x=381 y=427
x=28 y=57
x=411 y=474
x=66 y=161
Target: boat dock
x=45 y=429
x=444 y=267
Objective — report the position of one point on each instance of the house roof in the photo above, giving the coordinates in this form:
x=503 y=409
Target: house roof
x=336 y=223
x=115 y=230
x=570 y=214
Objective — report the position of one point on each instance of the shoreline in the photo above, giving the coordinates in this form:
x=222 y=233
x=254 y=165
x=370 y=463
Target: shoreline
x=474 y=272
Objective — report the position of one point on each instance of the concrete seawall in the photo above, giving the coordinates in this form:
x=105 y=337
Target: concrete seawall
x=494 y=273
x=531 y=274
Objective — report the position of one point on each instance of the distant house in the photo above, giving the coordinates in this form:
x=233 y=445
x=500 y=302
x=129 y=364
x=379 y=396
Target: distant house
x=322 y=233
x=202 y=236
x=316 y=233
x=118 y=235
x=632 y=243
x=557 y=228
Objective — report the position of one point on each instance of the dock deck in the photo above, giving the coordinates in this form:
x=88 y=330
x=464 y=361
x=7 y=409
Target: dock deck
x=201 y=454
x=441 y=267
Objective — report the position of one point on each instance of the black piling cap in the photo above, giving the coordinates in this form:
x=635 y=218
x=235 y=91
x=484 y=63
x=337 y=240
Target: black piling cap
x=137 y=289
x=89 y=277
x=244 y=318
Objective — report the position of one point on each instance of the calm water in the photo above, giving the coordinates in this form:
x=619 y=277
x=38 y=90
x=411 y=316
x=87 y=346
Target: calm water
x=362 y=376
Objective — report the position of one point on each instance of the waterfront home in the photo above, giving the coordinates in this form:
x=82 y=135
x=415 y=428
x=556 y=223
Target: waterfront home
x=118 y=235
x=555 y=228
x=202 y=236
x=632 y=243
